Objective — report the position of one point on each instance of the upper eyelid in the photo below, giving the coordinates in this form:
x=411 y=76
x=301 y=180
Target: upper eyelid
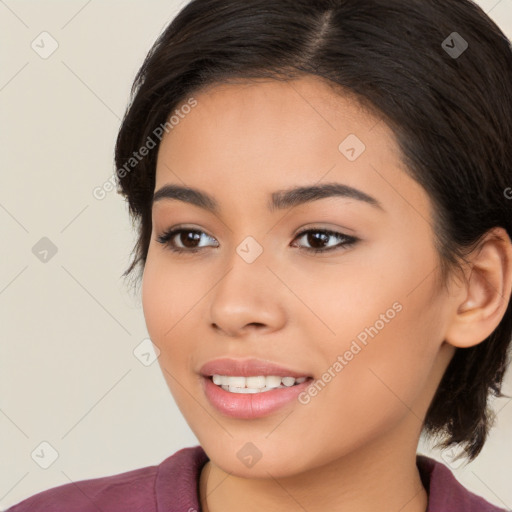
x=340 y=234
x=332 y=231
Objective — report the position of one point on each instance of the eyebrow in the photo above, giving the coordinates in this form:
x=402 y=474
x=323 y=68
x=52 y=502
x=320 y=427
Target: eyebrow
x=279 y=200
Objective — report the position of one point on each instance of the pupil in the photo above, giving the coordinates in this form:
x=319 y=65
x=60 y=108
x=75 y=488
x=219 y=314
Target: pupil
x=316 y=237
x=191 y=236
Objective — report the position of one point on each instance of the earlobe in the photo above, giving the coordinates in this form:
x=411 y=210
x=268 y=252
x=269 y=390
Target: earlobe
x=484 y=296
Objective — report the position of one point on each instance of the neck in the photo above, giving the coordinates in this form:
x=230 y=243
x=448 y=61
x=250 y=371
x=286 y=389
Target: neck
x=380 y=475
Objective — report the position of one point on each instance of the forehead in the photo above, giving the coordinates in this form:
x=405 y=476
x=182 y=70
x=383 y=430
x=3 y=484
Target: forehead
x=243 y=141
x=309 y=99
x=267 y=124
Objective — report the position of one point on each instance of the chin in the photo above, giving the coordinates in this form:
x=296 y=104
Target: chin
x=247 y=456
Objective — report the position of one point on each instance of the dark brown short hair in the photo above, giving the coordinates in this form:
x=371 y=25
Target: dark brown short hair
x=438 y=72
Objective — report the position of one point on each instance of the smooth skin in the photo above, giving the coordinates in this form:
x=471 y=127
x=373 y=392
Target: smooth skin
x=353 y=446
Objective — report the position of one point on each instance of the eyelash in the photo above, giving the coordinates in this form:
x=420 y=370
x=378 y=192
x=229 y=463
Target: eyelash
x=166 y=237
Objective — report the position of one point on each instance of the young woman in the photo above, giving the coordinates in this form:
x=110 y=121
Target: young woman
x=323 y=200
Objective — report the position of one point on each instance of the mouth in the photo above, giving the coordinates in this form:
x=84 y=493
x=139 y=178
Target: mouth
x=227 y=368
x=251 y=388
x=249 y=403
x=256 y=383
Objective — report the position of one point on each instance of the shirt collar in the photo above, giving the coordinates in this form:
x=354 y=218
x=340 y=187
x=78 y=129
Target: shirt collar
x=177 y=485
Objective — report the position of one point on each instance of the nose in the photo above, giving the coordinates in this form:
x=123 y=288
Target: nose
x=248 y=298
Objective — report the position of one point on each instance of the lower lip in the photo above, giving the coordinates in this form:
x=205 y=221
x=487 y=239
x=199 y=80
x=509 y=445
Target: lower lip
x=251 y=405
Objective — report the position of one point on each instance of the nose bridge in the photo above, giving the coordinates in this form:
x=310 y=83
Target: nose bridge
x=247 y=274
x=247 y=293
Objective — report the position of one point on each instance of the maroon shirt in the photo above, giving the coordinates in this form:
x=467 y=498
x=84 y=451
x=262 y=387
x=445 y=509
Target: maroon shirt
x=173 y=486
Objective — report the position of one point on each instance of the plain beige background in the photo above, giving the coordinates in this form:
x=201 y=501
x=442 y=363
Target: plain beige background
x=71 y=330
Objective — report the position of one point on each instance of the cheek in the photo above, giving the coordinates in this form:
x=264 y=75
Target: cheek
x=169 y=296
x=166 y=300
x=386 y=364
x=381 y=384
x=174 y=301
x=384 y=339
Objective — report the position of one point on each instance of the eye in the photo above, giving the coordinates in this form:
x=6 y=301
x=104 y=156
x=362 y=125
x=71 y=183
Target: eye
x=175 y=240
x=169 y=237
x=319 y=239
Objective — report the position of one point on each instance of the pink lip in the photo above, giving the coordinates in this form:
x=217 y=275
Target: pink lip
x=247 y=368
x=253 y=405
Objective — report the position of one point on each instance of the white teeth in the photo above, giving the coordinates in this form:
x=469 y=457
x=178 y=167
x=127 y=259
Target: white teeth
x=234 y=389
x=236 y=382
x=272 y=381
x=288 y=381
x=254 y=384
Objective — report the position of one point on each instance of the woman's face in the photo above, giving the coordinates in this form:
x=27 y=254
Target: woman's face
x=364 y=321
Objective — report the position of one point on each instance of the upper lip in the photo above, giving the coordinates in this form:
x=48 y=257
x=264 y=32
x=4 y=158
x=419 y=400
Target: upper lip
x=248 y=368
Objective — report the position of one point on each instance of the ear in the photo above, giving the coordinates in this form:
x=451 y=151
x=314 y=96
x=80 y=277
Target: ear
x=481 y=300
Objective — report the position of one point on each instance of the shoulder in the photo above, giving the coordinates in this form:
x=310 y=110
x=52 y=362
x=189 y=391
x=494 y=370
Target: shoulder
x=125 y=491
x=446 y=493
x=132 y=491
